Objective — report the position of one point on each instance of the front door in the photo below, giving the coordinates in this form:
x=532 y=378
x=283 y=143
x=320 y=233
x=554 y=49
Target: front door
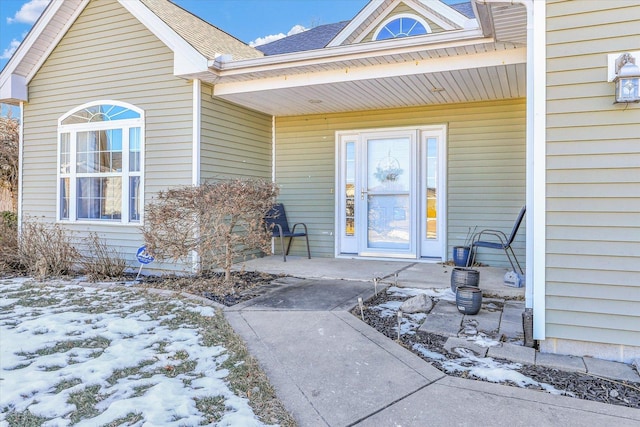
x=390 y=200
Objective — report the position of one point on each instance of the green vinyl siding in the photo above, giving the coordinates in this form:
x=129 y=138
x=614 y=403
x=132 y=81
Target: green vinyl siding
x=593 y=177
x=107 y=55
x=235 y=141
x=486 y=167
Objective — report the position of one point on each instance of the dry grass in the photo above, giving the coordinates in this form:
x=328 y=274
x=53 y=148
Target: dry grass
x=245 y=377
x=46 y=250
x=104 y=262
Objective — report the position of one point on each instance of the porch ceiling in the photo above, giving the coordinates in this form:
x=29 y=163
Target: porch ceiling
x=479 y=70
x=457 y=86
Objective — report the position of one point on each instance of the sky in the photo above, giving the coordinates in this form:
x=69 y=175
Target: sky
x=248 y=20
x=252 y=21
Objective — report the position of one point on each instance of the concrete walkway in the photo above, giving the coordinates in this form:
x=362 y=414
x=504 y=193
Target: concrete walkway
x=331 y=369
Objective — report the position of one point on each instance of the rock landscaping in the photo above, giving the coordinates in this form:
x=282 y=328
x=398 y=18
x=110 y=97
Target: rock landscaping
x=461 y=349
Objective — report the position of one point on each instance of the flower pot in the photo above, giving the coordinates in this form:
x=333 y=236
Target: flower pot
x=461 y=256
x=468 y=299
x=461 y=276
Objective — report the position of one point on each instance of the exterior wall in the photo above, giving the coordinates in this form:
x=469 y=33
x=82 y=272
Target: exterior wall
x=593 y=184
x=235 y=141
x=107 y=55
x=486 y=168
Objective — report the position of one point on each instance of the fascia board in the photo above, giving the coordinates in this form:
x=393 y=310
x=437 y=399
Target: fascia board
x=378 y=21
x=351 y=52
x=427 y=12
x=186 y=59
x=355 y=23
x=78 y=10
x=448 y=12
x=14 y=89
x=369 y=72
x=8 y=73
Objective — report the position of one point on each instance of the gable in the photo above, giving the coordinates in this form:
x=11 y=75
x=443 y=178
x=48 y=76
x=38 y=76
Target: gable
x=437 y=17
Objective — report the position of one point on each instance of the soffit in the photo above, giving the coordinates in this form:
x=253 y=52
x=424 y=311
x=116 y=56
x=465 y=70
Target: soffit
x=459 y=86
x=468 y=83
x=50 y=34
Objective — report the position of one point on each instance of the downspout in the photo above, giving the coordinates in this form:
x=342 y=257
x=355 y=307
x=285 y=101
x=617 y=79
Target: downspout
x=536 y=160
x=195 y=153
x=273 y=165
x=20 y=167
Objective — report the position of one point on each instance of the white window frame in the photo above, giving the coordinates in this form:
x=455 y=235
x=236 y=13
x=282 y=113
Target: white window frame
x=73 y=129
x=386 y=22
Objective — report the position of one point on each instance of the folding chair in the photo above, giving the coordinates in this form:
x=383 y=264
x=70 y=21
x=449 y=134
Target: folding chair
x=276 y=221
x=503 y=242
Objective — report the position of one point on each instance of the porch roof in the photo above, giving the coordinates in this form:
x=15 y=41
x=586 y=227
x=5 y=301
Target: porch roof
x=466 y=65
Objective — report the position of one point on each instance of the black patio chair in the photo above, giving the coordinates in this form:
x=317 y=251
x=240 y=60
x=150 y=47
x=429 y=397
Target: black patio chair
x=503 y=242
x=276 y=221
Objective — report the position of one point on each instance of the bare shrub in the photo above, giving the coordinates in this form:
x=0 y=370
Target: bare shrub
x=8 y=242
x=102 y=262
x=46 y=249
x=9 y=138
x=221 y=221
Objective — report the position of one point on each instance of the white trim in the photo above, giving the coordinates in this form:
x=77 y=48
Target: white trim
x=14 y=87
x=355 y=23
x=54 y=43
x=535 y=292
x=99 y=102
x=444 y=40
x=359 y=136
x=186 y=59
x=434 y=65
x=430 y=9
x=537 y=149
x=442 y=132
x=449 y=13
x=196 y=108
x=390 y=19
x=273 y=166
x=273 y=148
x=460 y=22
x=196 y=129
x=125 y=125
x=20 y=166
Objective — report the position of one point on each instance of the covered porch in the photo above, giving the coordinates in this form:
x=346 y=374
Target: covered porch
x=420 y=275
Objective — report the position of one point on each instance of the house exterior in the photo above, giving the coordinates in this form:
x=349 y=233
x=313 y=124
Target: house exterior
x=391 y=135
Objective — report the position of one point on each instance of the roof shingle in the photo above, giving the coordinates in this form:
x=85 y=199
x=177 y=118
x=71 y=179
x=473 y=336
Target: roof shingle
x=315 y=38
x=207 y=39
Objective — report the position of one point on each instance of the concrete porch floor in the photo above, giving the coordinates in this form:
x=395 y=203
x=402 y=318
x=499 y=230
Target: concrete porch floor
x=421 y=275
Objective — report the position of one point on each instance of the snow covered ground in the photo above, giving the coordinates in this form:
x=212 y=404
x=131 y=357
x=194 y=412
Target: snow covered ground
x=463 y=360
x=76 y=355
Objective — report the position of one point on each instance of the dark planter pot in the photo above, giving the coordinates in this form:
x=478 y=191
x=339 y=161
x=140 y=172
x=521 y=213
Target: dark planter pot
x=461 y=256
x=461 y=276
x=468 y=299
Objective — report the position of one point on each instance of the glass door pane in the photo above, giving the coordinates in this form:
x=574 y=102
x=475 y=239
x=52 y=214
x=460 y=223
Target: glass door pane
x=388 y=187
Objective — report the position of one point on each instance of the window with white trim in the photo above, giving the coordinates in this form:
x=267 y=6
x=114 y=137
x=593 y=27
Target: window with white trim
x=100 y=176
x=404 y=25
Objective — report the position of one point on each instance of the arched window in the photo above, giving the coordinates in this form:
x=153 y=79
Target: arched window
x=402 y=26
x=100 y=171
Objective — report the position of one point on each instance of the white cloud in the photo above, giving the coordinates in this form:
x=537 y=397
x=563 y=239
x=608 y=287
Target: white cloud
x=8 y=52
x=29 y=12
x=296 y=29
